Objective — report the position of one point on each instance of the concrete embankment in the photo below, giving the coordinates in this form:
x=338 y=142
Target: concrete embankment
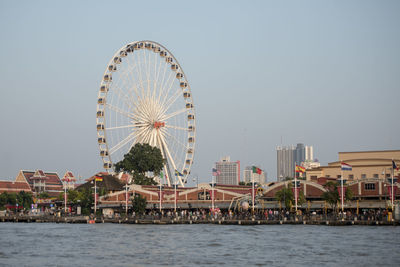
x=87 y=219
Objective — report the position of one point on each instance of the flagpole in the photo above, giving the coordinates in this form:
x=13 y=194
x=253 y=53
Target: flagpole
x=160 y=197
x=252 y=192
x=341 y=183
x=212 y=193
x=161 y=174
x=126 y=197
x=175 y=193
x=295 y=187
x=65 y=196
x=392 y=187
x=95 y=197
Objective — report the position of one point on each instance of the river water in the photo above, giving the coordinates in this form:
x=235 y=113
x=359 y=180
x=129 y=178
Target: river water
x=46 y=244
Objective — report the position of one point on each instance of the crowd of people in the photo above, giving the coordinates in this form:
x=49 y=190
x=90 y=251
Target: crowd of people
x=267 y=214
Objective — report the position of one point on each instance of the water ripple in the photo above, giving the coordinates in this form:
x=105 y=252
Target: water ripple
x=196 y=245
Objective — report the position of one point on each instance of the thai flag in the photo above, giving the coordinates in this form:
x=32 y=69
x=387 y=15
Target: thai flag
x=346 y=167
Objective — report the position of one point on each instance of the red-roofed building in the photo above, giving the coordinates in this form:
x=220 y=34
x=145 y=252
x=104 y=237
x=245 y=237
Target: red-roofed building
x=196 y=197
x=69 y=180
x=40 y=181
x=14 y=187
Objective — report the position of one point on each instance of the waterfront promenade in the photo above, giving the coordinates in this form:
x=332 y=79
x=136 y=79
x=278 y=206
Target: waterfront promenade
x=179 y=220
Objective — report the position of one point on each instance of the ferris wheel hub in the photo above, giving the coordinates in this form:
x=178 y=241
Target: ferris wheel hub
x=159 y=124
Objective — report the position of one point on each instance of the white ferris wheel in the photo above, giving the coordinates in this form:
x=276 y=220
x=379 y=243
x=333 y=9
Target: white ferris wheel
x=144 y=97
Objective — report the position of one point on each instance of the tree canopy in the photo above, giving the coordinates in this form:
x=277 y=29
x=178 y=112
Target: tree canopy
x=139 y=204
x=332 y=197
x=23 y=199
x=286 y=196
x=141 y=159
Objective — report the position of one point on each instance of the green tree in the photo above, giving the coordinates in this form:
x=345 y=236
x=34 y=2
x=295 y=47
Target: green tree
x=141 y=159
x=3 y=200
x=332 y=197
x=139 y=204
x=86 y=200
x=286 y=196
x=25 y=199
x=43 y=195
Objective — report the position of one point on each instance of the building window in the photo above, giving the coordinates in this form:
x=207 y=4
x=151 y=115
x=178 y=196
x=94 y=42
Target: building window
x=351 y=176
x=202 y=196
x=339 y=176
x=327 y=176
x=369 y=186
x=363 y=176
x=314 y=177
x=387 y=175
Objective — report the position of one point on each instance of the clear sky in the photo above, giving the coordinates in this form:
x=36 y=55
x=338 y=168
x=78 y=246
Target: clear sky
x=322 y=73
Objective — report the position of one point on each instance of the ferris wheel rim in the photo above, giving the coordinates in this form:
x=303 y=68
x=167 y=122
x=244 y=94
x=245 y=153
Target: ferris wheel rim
x=190 y=147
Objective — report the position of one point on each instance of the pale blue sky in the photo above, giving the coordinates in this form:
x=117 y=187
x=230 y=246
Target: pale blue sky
x=324 y=73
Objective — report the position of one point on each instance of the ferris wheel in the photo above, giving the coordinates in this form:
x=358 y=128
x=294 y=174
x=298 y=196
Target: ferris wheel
x=144 y=97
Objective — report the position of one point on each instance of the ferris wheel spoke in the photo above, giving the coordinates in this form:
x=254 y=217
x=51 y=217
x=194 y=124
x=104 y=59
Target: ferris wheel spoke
x=122 y=143
x=174 y=139
x=173 y=114
x=120 y=111
x=124 y=98
x=171 y=101
x=176 y=127
x=170 y=157
x=156 y=74
x=167 y=177
x=125 y=78
x=147 y=72
x=120 y=127
x=129 y=74
x=166 y=89
x=141 y=78
x=161 y=84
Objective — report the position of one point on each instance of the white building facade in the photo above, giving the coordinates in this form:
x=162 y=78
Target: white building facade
x=229 y=172
x=249 y=175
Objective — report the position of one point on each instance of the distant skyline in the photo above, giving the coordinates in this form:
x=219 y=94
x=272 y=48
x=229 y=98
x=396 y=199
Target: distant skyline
x=322 y=73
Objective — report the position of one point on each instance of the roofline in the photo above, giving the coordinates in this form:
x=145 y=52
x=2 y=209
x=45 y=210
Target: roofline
x=46 y=172
x=354 y=166
x=368 y=151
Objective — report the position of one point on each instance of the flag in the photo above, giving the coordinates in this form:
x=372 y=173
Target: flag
x=98 y=178
x=178 y=173
x=257 y=170
x=300 y=169
x=346 y=167
x=215 y=172
x=394 y=165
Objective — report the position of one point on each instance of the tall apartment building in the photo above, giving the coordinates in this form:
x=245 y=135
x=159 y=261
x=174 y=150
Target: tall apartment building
x=249 y=175
x=289 y=156
x=229 y=172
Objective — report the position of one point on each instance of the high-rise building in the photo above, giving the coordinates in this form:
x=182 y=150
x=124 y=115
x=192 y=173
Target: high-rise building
x=289 y=156
x=249 y=175
x=285 y=162
x=229 y=172
x=309 y=153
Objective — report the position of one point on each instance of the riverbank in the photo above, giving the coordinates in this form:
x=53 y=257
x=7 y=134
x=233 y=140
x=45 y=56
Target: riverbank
x=129 y=220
